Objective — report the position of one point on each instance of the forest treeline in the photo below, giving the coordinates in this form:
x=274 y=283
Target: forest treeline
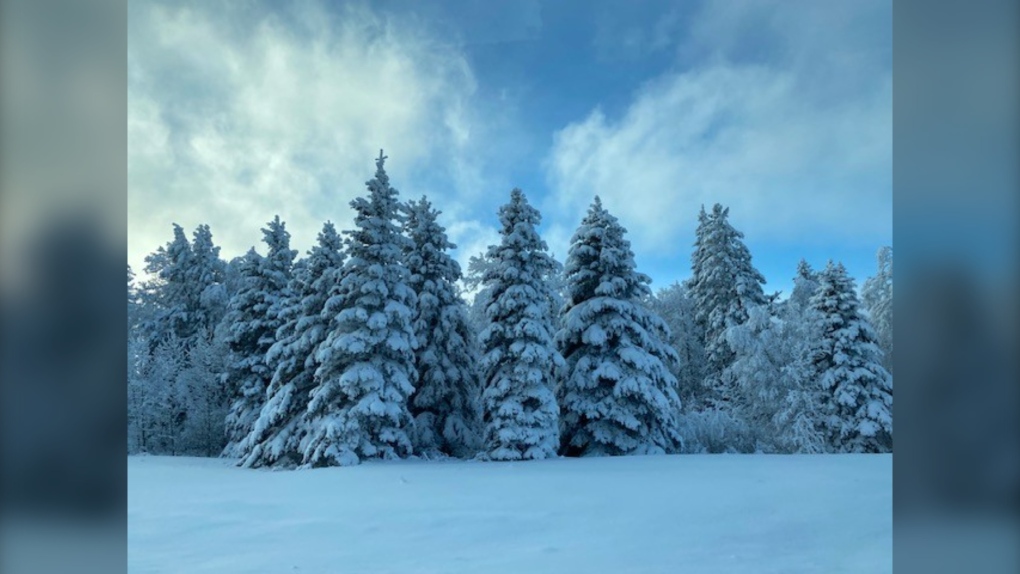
x=365 y=347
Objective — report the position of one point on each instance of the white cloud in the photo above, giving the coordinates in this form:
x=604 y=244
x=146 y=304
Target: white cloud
x=472 y=238
x=235 y=116
x=772 y=128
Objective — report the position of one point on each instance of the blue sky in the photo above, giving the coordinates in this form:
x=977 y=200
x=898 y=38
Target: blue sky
x=781 y=110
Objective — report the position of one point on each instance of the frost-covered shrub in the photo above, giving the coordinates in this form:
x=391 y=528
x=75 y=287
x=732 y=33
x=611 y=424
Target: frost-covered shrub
x=714 y=431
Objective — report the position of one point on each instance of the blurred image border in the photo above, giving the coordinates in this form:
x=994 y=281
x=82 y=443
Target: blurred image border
x=956 y=485
x=63 y=186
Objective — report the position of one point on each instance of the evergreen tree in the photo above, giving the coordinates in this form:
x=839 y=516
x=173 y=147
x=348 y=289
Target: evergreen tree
x=446 y=403
x=519 y=358
x=175 y=313
x=232 y=278
x=877 y=298
x=139 y=314
x=276 y=436
x=474 y=281
x=846 y=361
x=206 y=274
x=804 y=286
x=276 y=274
x=252 y=318
x=618 y=396
x=169 y=294
x=724 y=287
x=366 y=366
x=247 y=372
x=186 y=295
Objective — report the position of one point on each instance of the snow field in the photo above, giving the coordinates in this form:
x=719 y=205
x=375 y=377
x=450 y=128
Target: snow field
x=681 y=513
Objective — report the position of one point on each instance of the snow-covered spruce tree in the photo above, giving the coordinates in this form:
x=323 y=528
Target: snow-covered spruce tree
x=182 y=302
x=232 y=278
x=473 y=282
x=247 y=372
x=207 y=274
x=846 y=362
x=446 y=403
x=206 y=353
x=804 y=286
x=276 y=272
x=252 y=318
x=618 y=396
x=276 y=437
x=168 y=293
x=185 y=296
x=519 y=358
x=366 y=366
x=877 y=298
x=724 y=286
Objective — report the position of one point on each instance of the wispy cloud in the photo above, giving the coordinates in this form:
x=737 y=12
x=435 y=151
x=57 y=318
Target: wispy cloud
x=237 y=113
x=781 y=110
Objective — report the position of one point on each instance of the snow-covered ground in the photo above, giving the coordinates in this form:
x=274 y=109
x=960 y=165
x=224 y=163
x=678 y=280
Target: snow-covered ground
x=676 y=514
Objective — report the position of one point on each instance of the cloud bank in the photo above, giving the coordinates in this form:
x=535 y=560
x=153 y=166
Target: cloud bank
x=238 y=112
x=782 y=111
